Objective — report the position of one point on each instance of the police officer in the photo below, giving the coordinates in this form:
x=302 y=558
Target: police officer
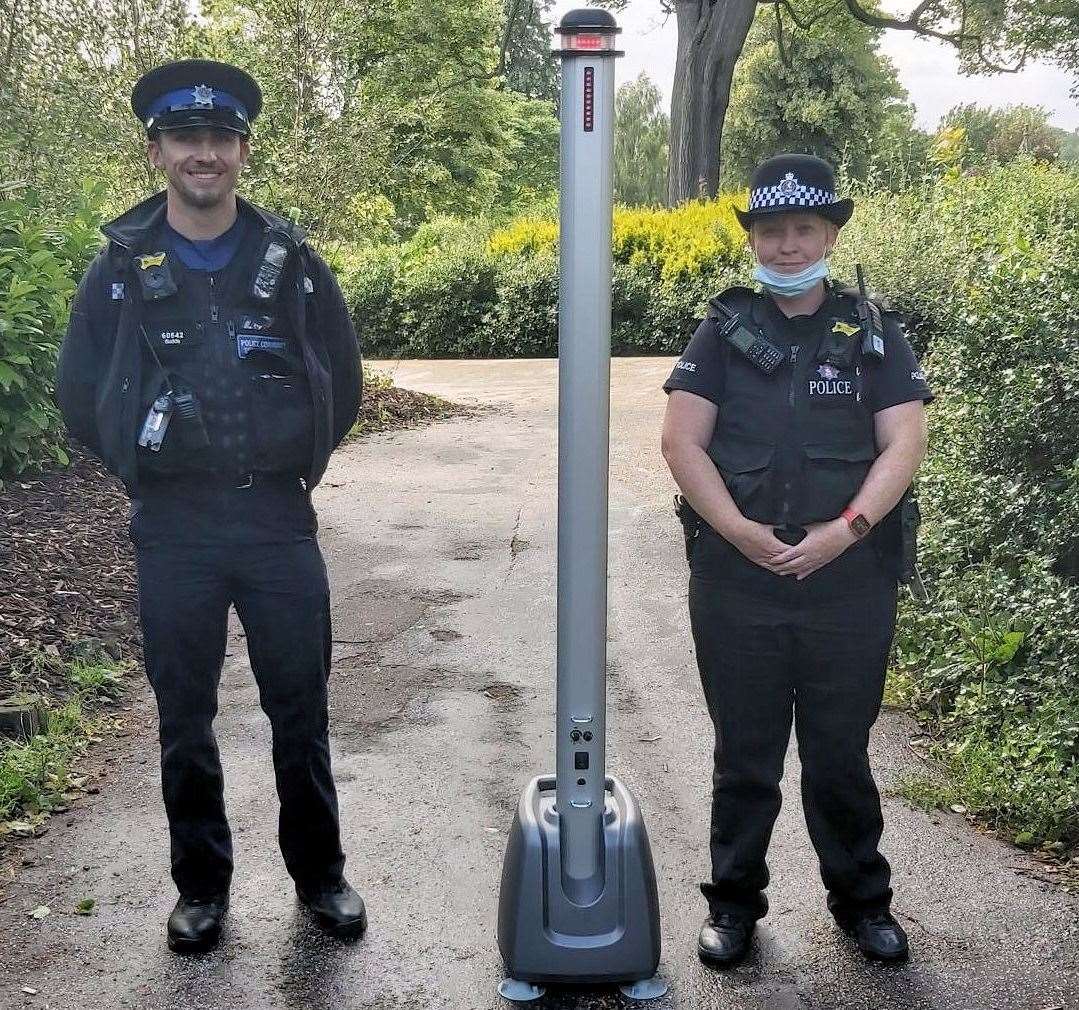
x=794 y=425
x=211 y=363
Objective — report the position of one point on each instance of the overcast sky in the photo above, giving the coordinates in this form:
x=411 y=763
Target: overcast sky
x=927 y=69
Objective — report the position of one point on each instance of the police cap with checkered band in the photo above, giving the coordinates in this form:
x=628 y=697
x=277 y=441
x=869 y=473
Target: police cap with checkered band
x=795 y=182
x=192 y=93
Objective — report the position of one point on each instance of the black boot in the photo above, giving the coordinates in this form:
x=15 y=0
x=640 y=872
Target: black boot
x=724 y=939
x=878 y=936
x=195 y=923
x=338 y=908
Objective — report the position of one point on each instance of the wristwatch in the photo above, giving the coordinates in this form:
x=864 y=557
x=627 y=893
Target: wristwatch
x=857 y=522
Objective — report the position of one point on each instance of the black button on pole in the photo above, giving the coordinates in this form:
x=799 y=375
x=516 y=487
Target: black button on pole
x=580 y=761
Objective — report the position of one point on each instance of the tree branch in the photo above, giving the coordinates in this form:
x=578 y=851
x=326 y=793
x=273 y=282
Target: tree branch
x=784 y=55
x=960 y=39
x=808 y=22
x=511 y=17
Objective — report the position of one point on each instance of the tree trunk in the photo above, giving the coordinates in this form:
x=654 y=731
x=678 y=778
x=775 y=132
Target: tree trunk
x=711 y=34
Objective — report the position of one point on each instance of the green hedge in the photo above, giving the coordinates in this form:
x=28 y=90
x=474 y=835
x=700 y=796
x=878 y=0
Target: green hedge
x=40 y=262
x=474 y=289
x=995 y=663
x=986 y=269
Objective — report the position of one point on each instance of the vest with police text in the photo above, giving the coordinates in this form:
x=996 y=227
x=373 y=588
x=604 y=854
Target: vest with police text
x=794 y=447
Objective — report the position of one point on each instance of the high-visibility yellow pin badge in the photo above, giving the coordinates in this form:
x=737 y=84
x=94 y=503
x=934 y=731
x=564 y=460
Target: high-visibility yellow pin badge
x=845 y=328
x=146 y=262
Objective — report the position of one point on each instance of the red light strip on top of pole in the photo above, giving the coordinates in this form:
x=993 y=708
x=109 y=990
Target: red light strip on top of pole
x=587 y=42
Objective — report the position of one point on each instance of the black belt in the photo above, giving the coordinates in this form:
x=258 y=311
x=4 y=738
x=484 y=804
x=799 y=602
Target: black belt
x=239 y=482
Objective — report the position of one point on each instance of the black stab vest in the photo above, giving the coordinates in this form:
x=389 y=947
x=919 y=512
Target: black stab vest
x=794 y=447
x=240 y=359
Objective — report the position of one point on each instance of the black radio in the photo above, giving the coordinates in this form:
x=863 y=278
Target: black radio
x=766 y=356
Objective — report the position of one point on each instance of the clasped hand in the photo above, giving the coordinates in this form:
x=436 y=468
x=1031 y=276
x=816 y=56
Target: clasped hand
x=823 y=543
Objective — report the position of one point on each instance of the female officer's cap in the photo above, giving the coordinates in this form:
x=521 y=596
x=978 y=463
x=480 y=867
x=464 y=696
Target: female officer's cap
x=795 y=182
x=192 y=93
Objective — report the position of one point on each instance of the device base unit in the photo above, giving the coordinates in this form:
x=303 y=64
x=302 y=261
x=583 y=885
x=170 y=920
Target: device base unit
x=543 y=935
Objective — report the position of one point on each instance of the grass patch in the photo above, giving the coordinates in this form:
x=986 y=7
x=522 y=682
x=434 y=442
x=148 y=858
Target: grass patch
x=37 y=776
x=897 y=688
x=926 y=792
x=102 y=678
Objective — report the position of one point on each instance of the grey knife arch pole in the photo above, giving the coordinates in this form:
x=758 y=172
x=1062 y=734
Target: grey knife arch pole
x=584 y=387
x=578 y=900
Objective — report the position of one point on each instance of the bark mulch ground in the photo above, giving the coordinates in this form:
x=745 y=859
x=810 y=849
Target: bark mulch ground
x=67 y=580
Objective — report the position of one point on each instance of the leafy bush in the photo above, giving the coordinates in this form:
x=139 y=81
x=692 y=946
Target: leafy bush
x=474 y=289
x=39 y=265
x=993 y=664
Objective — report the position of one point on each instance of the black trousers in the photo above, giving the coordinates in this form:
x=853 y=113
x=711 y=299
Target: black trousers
x=198 y=550
x=771 y=650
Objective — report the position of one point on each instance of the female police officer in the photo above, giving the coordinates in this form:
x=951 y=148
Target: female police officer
x=795 y=423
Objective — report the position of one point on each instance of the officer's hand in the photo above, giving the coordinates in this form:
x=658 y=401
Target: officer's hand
x=758 y=542
x=823 y=543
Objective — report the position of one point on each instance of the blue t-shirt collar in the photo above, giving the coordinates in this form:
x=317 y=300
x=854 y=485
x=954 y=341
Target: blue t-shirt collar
x=206 y=254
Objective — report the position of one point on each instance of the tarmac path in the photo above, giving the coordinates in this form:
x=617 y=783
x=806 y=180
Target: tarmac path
x=441 y=548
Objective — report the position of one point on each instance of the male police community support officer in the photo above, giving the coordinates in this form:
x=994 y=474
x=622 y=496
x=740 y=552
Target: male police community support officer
x=794 y=425
x=212 y=364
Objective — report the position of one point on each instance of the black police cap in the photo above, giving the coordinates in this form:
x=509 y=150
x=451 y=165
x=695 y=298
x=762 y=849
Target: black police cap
x=795 y=182
x=191 y=93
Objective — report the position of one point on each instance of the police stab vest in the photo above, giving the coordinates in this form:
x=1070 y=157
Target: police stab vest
x=794 y=446
x=222 y=342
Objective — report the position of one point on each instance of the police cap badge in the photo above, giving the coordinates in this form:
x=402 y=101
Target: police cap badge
x=190 y=93
x=795 y=182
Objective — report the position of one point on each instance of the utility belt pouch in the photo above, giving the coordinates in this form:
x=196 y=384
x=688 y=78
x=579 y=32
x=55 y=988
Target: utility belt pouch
x=155 y=277
x=270 y=268
x=910 y=518
x=691 y=522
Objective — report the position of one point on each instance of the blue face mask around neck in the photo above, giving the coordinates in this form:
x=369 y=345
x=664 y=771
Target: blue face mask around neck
x=789 y=285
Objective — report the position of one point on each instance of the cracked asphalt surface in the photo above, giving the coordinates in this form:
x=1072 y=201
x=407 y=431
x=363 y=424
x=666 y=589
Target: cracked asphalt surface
x=441 y=548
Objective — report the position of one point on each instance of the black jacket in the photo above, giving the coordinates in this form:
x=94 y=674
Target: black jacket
x=98 y=378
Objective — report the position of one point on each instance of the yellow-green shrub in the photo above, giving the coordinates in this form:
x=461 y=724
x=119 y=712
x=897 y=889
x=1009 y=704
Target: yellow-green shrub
x=527 y=236
x=688 y=240
x=685 y=241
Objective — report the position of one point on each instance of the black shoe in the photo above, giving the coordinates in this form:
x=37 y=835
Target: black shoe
x=724 y=939
x=878 y=936
x=195 y=923
x=338 y=908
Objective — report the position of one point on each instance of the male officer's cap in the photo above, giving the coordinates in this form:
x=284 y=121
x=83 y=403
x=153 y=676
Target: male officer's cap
x=795 y=182
x=192 y=93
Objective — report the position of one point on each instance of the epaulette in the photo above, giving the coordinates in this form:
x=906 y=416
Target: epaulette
x=737 y=299
x=850 y=291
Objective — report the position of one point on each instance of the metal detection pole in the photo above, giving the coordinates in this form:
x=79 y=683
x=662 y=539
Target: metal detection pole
x=584 y=366
x=578 y=902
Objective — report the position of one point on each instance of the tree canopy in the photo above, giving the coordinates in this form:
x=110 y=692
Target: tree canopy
x=823 y=90
x=640 y=144
x=990 y=36
x=376 y=116
x=998 y=136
